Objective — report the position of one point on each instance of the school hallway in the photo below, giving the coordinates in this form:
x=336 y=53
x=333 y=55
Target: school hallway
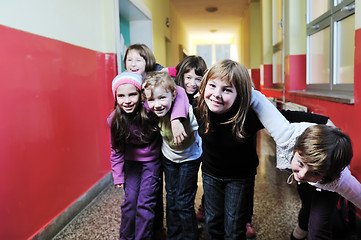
x=276 y=205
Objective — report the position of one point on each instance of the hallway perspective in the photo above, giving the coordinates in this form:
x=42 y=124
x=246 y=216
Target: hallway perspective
x=276 y=205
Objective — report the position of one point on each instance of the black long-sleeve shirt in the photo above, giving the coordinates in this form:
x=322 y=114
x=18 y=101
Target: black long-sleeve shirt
x=226 y=156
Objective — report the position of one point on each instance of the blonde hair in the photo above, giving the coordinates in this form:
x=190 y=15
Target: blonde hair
x=237 y=75
x=156 y=79
x=326 y=150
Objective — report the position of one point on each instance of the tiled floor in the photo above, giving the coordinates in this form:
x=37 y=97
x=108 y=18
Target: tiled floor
x=276 y=205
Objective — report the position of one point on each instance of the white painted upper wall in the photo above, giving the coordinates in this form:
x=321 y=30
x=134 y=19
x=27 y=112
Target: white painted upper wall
x=295 y=27
x=255 y=34
x=267 y=47
x=85 y=23
x=357 y=14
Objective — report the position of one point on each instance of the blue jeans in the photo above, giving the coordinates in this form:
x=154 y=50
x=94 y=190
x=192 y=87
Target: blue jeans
x=226 y=204
x=181 y=186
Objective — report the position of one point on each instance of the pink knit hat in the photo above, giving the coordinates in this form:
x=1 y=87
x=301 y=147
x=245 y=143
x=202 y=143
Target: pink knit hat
x=126 y=77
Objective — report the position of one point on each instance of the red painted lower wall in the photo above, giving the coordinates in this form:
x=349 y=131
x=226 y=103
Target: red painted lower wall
x=295 y=74
x=267 y=75
x=256 y=78
x=54 y=100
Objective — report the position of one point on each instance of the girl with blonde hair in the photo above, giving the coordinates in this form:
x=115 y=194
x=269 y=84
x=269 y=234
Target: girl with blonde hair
x=228 y=130
x=180 y=161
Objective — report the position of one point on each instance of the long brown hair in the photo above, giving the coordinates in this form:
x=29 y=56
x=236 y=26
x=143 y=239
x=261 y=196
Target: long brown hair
x=186 y=65
x=237 y=75
x=146 y=122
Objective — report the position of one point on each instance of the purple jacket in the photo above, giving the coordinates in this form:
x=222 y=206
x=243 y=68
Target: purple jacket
x=138 y=151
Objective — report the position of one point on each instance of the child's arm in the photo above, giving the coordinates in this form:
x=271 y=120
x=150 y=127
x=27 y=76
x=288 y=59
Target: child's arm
x=330 y=123
x=179 y=133
x=172 y=71
x=297 y=116
x=274 y=122
x=179 y=111
x=347 y=186
x=117 y=165
x=116 y=160
x=181 y=105
x=283 y=132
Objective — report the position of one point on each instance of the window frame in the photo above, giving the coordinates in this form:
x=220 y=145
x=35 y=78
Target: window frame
x=337 y=12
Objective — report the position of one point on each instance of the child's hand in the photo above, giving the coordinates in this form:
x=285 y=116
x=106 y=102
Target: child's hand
x=179 y=134
x=330 y=123
x=164 y=70
x=119 y=185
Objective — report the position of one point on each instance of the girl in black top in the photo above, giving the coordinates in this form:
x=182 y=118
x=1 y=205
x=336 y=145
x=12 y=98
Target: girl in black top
x=228 y=129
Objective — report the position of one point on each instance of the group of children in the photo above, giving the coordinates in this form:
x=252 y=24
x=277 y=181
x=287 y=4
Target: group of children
x=212 y=117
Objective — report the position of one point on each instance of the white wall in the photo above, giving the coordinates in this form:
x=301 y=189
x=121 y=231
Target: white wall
x=358 y=14
x=85 y=23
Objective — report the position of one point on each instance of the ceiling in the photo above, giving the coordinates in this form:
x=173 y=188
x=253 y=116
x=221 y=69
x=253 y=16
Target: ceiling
x=198 y=22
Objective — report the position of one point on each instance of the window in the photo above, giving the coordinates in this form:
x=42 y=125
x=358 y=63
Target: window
x=223 y=51
x=212 y=53
x=330 y=45
x=205 y=51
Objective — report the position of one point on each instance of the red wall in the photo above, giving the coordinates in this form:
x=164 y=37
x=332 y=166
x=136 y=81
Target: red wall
x=267 y=75
x=345 y=116
x=54 y=100
x=256 y=78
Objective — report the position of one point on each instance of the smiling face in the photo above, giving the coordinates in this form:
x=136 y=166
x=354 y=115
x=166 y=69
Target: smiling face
x=302 y=172
x=191 y=81
x=128 y=97
x=219 y=95
x=135 y=62
x=159 y=100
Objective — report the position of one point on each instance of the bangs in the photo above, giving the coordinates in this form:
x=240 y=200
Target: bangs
x=159 y=79
x=199 y=71
x=221 y=73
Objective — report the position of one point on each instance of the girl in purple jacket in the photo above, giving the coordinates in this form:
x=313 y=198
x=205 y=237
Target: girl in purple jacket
x=135 y=155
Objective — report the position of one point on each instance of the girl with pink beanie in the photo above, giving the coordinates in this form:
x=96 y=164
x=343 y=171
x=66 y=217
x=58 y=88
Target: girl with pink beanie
x=135 y=156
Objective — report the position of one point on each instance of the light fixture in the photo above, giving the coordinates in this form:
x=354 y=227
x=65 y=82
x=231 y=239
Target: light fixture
x=211 y=9
x=213 y=30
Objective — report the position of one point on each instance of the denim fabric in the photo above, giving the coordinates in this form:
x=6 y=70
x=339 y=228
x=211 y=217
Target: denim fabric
x=181 y=187
x=141 y=190
x=227 y=203
x=317 y=210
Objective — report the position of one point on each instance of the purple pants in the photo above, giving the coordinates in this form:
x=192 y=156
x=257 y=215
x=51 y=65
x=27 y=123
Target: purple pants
x=141 y=188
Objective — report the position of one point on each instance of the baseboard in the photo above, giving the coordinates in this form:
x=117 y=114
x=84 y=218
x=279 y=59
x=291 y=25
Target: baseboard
x=64 y=218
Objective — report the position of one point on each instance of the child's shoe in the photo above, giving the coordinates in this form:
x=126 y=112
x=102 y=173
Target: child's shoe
x=293 y=237
x=298 y=234
x=251 y=233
